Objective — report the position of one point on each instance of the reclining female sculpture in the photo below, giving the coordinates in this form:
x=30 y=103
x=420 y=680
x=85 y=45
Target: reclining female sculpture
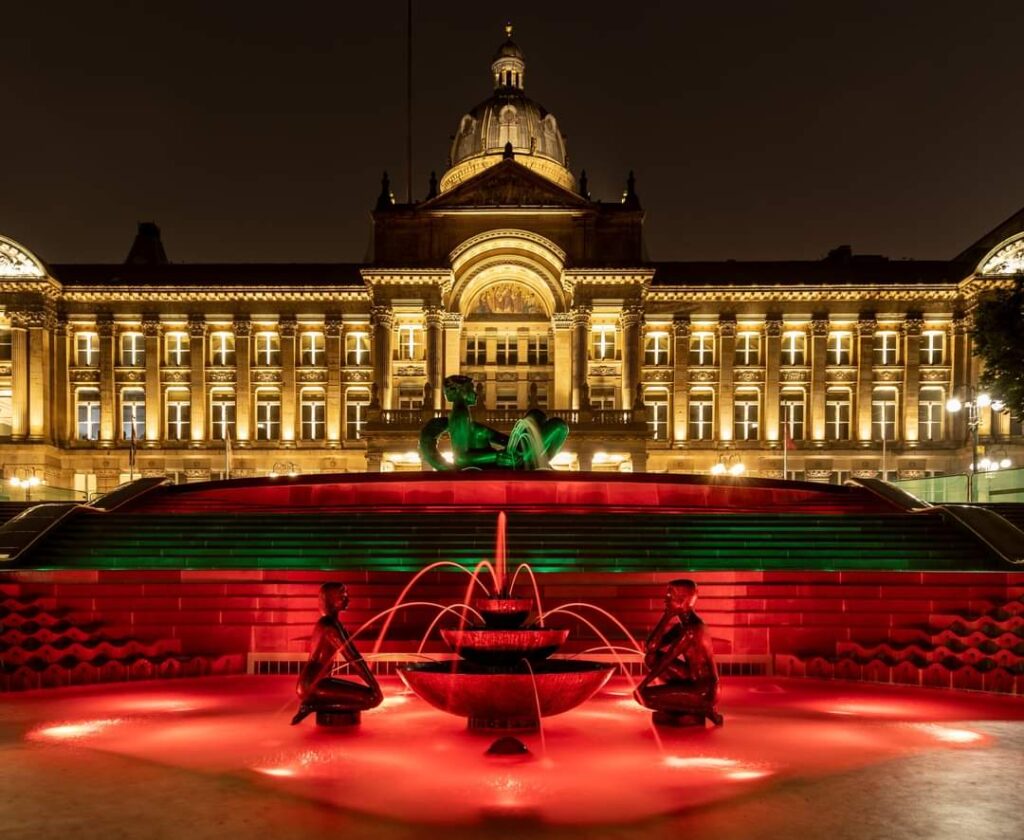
x=534 y=439
x=681 y=683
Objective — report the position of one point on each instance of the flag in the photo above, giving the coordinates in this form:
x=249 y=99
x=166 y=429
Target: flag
x=787 y=439
x=227 y=454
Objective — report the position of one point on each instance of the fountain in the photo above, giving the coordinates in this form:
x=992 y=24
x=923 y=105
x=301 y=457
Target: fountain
x=505 y=678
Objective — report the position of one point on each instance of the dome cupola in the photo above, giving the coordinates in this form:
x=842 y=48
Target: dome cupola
x=509 y=64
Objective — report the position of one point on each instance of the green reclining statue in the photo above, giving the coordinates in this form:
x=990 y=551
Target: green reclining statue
x=534 y=439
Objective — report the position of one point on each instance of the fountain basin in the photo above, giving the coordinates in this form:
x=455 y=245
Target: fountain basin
x=503 y=611
x=506 y=699
x=487 y=646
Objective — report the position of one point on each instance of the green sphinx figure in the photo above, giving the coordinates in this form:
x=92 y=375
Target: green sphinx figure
x=534 y=439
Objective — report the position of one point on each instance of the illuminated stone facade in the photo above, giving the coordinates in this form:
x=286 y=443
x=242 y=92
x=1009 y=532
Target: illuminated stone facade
x=508 y=272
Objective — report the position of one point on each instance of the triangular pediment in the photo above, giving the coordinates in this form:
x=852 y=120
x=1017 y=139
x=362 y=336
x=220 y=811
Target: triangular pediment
x=507 y=184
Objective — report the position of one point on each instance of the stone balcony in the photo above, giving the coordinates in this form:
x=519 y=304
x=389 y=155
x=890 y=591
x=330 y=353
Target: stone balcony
x=590 y=423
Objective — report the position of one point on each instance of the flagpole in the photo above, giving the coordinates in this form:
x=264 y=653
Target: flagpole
x=227 y=454
x=131 y=450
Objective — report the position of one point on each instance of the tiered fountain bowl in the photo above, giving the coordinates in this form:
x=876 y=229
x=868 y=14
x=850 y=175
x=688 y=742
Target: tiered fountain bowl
x=505 y=679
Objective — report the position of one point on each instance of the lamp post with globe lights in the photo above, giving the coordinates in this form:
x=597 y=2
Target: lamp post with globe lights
x=728 y=465
x=972 y=403
x=26 y=483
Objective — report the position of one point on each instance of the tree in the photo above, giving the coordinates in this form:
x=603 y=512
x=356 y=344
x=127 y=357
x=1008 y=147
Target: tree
x=998 y=335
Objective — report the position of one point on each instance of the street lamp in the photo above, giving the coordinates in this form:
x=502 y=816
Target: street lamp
x=728 y=465
x=26 y=484
x=972 y=403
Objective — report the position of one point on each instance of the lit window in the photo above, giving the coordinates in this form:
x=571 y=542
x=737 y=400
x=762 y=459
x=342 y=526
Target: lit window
x=268 y=415
x=837 y=415
x=313 y=411
x=792 y=405
x=508 y=350
x=748 y=349
x=702 y=349
x=410 y=396
x=6 y=412
x=222 y=415
x=602 y=398
x=933 y=346
x=312 y=349
x=133 y=413
x=840 y=348
x=178 y=349
x=506 y=399
x=222 y=348
x=268 y=350
x=6 y=345
x=179 y=414
x=745 y=416
x=410 y=342
x=930 y=406
x=885 y=348
x=793 y=346
x=883 y=414
x=602 y=342
x=476 y=350
x=133 y=349
x=356 y=403
x=87 y=402
x=537 y=350
x=656 y=403
x=357 y=349
x=656 y=348
x=701 y=416
x=87 y=349
x=542 y=397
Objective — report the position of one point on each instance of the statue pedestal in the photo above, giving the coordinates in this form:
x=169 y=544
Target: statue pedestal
x=337 y=718
x=678 y=719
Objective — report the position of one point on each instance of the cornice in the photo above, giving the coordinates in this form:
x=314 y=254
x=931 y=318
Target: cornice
x=609 y=276
x=744 y=294
x=204 y=294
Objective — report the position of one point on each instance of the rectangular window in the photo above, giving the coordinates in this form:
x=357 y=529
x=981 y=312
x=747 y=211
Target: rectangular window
x=410 y=342
x=87 y=402
x=313 y=413
x=885 y=348
x=508 y=350
x=6 y=412
x=701 y=417
x=602 y=398
x=840 y=348
x=133 y=350
x=656 y=402
x=702 y=349
x=537 y=350
x=602 y=342
x=883 y=414
x=222 y=415
x=357 y=349
x=794 y=348
x=87 y=349
x=133 y=413
x=541 y=400
x=268 y=415
x=930 y=406
x=792 y=414
x=410 y=396
x=476 y=350
x=745 y=416
x=356 y=404
x=933 y=346
x=6 y=345
x=656 y=348
x=179 y=414
x=268 y=350
x=222 y=349
x=177 y=348
x=312 y=349
x=748 y=349
x=837 y=415
x=507 y=399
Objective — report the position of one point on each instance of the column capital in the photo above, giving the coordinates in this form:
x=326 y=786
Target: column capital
x=433 y=316
x=451 y=320
x=913 y=323
x=61 y=327
x=581 y=316
x=286 y=326
x=773 y=326
x=681 y=326
x=150 y=324
x=196 y=326
x=242 y=326
x=632 y=315
x=382 y=316
x=333 y=324
x=820 y=324
x=105 y=324
x=962 y=323
x=562 y=320
x=867 y=325
x=35 y=317
x=727 y=325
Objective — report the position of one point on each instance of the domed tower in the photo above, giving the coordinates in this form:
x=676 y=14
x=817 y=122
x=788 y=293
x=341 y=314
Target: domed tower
x=508 y=116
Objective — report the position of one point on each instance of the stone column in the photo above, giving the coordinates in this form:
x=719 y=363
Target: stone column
x=335 y=348
x=561 y=328
x=630 y=320
x=816 y=397
x=197 y=357
x=913 y=323
x=154 y=401
x=866 y=327
x=61 y=386
x=680 y=376
x=19 y=376
x=382 y=321
x=108 y=397
x=961 y=370
x=726 y=360
x=435 y=352
x=580 y=353
x=452 y=323
x=242 y=328
x=287 y=328
x=40 y=373
x=772 y=358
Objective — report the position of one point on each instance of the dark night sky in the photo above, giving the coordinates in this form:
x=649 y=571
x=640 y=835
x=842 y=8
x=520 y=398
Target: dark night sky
x=257 y=131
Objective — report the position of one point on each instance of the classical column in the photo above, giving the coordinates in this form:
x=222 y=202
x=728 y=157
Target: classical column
x=726 y=360
x=151 y=334
x=680 y=376
x=197 y=356
x=108 y=397
x=382 y=320
x=40 y=375
x=630 y=320
x=866 y=327
x=580 y=350
x=287 y=327
x=913 y=323
x=819 y=348
x=435 y=352
x=19 y=375
x=452 y=322
x=772 y=358
x=561 y=329
x=961 y=369
x=242 y=328
x=61 y=387
x=334 y=339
